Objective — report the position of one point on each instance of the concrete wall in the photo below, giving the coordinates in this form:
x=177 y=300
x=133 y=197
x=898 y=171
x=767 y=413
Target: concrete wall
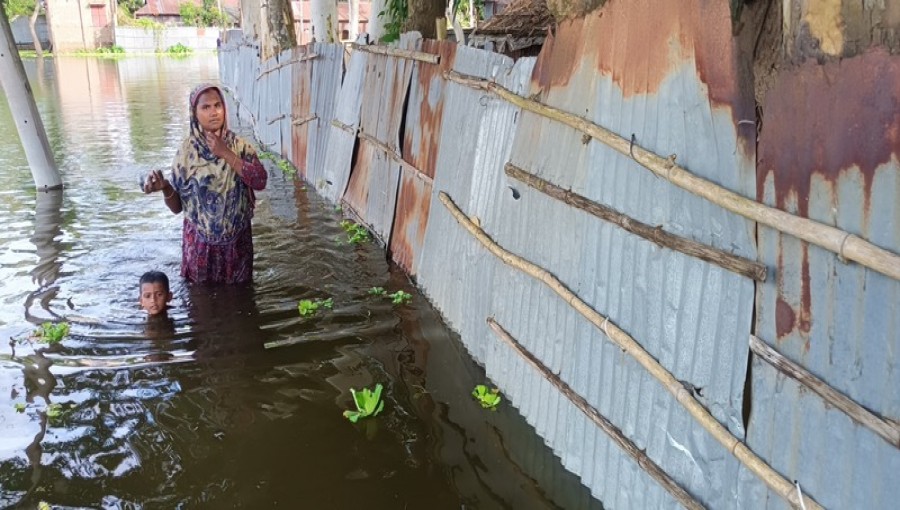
x=22 y=33
x=140 y=40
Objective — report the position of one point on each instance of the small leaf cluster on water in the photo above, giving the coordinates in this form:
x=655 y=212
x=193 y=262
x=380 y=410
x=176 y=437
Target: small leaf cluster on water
x=398 y=298
x=308 y=307
x=50 y=333
x=368 y=403
x=487 y=397
x=356 y=233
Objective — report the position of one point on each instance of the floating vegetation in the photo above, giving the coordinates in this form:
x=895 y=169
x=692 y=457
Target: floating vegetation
x=309 y=307
x=377 y=291
x=356 y=233
x=400 y=297
x=368 y=403
x=487 y=397
x=50 y=333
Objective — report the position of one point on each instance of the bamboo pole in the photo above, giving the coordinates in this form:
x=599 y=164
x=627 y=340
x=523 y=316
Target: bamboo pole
x=343 y=127
x=308 y=56
x=300 y=122
x=775 y=481
x=848 y=246
x=394 y=155
x=734 y=263
x=616 y=434
x=888 y=431
x=276 y=119
x=421 y=56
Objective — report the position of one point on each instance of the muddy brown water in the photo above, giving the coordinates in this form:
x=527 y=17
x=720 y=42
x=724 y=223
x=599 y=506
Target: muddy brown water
x=208 y=417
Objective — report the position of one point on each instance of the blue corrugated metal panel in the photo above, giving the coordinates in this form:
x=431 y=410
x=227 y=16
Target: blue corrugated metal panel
x=285 y=91
x=327 y=72
x=838 y=320
x=336 y=170
x=691 y=315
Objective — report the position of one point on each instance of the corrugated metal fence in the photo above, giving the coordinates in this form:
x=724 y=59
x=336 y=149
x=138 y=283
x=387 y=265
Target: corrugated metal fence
x=392 y=132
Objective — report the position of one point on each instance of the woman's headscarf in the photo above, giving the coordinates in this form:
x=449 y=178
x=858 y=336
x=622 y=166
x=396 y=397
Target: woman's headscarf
x=215 y=200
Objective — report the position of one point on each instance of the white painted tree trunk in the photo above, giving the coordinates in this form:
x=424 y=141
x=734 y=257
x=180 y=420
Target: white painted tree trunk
x=375 y=25
x=354 y=20
x=24 y=112
x=324 y=20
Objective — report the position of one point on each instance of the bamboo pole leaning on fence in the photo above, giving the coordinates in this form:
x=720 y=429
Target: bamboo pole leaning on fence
x=774 y=480
x=302 y=58
x=845 y=244
x=421 y=56
x=734 y=263
x=616 y=434
x=888 y=431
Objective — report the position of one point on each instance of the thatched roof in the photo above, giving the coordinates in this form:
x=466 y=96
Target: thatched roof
x=521 y=18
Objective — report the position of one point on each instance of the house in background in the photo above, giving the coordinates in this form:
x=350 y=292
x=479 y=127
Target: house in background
x=168 y=12
x=303 y=20
x=80 y=24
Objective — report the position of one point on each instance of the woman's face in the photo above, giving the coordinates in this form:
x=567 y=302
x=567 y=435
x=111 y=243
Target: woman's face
x=210 y=111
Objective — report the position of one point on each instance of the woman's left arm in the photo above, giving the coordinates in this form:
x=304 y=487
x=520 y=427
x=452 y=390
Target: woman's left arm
x=250 y=169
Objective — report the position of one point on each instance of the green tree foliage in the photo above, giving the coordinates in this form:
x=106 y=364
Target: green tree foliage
x=16 y=8
x=130 y=6
x=206 y=16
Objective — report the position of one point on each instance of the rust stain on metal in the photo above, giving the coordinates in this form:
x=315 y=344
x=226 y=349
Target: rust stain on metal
x=301 y=77
x=410 y=220
x=642 y=42
x=357 y=194
x=431 y=109
x=850 y=117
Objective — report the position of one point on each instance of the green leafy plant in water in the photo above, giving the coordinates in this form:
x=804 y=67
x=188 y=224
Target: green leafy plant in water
x=179 y=50
x=377 y=291
x=356 y=233
x=368 y=403
x=20 y=407
x=487 y=397
x=43 y=505
x=308 y=307
x=284 y=165
x=50 y=333
x=400 y=297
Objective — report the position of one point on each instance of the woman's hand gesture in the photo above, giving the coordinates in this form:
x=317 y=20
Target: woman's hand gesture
x=217 y=145
x=154 y=182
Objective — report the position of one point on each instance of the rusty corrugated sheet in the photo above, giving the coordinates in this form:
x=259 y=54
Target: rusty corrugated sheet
x=372 y=189
x=342 y=141
x=300 y=108
x=327 y=72
x=667 y=72
x=421 y=143
x=829 y=150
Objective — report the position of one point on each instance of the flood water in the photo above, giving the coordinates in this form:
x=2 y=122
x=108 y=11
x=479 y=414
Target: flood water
x=195 y=412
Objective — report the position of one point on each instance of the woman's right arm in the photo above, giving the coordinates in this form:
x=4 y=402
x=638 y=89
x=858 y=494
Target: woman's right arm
x=156 y=182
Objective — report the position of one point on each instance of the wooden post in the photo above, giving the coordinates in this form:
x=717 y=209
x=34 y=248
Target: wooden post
x=25 y=113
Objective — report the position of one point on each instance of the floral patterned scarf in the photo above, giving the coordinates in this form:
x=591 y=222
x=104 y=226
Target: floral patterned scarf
x=214 y=198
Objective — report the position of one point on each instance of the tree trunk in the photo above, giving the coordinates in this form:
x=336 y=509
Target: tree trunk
x=324 y=20
x=34 y=36
x=279 y=28
x=354 y=20
x=422 y=14
x=375 y=25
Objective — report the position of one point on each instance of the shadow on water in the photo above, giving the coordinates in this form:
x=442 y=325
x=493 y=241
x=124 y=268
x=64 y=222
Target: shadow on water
x=192 y=410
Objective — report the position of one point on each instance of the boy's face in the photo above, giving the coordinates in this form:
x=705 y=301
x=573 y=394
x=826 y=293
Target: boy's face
x=154 y=297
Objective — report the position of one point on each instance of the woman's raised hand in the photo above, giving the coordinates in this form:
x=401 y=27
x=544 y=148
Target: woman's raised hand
x=216 y=144
x=154 y=182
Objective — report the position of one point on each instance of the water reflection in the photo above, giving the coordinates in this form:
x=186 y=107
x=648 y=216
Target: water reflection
x=192 y=410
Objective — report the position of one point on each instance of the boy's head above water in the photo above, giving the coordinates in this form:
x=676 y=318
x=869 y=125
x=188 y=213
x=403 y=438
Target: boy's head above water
x=155 y=295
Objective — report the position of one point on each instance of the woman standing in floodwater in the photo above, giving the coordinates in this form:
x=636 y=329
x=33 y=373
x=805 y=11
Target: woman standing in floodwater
x=213 y=179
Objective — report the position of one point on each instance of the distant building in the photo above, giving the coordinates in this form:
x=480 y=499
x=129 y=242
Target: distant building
x=168 y=12
x=22 y=32
x=303 y=21
x=80 y=24
x=518 y=31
